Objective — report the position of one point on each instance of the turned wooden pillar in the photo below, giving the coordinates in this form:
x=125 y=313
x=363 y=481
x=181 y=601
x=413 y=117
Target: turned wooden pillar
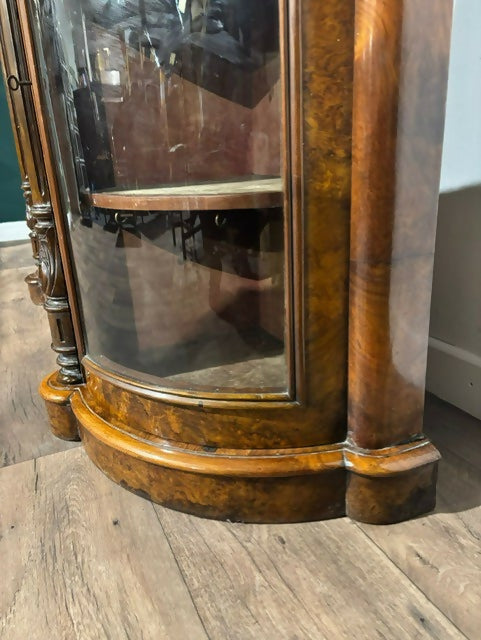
x=400 y=79
x=47 y=283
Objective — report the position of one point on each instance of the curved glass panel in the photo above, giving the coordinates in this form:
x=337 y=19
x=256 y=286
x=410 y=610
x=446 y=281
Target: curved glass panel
x=168 y=117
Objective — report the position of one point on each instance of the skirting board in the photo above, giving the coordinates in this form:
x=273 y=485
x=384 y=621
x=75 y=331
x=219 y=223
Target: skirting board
x=454 y=375
x=13 y=231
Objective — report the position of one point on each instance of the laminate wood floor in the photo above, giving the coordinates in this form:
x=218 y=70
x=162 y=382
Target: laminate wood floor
x=83 y=559
x=25 y=358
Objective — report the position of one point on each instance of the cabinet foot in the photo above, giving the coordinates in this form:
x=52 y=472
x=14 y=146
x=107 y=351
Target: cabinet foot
x=57 y=397
x=387 y=499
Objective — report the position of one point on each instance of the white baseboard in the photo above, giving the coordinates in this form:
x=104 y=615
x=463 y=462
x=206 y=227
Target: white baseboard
x=13 y=231
x=454 y=375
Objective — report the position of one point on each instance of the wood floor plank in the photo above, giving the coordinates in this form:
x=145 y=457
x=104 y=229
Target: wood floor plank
x=452 y=429
x=83 y=559
x=442 y=557
x=16 y=254
x=459 y=488
x=441 y=553
x=25 y=357
x=319 y=580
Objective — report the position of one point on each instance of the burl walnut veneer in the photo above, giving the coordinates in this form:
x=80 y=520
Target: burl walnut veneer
x=232 y=209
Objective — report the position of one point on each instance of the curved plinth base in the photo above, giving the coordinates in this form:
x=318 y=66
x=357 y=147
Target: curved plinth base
x=57 y=400
x=252 y=485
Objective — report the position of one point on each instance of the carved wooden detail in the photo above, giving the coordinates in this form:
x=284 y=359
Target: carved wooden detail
x=32 y=280
x=366 y=83
x=54 y=294
x=47 y=287
x=47 y=283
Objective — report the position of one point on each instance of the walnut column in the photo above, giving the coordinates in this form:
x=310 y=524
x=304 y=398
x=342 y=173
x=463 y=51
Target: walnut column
x=46 y=284
x=400 y=80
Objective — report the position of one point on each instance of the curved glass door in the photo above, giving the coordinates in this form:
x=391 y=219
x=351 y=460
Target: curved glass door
x=170 y=128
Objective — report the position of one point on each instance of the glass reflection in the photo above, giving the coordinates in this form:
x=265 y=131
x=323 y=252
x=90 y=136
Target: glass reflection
x=197 y=298
x=183 y=96
x=203 y=74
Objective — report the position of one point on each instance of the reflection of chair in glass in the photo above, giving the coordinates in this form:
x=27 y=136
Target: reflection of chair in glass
x=243 y=249
x=185 y=221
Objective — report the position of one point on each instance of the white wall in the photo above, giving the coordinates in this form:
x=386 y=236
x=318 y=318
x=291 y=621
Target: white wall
x=462 y=139
x=454 y=361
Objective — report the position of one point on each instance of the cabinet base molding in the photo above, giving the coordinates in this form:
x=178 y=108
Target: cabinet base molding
x=57 y=396
x=251 y=485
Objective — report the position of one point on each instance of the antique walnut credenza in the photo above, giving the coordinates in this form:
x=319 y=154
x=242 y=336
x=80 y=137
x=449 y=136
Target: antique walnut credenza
x=232 y=207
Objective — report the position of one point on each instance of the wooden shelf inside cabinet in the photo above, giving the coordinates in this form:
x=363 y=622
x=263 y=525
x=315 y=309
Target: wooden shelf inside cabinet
x=263 y=373
x=254 y=193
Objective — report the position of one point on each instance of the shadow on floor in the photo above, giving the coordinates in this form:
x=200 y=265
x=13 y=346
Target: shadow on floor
x=457 y=435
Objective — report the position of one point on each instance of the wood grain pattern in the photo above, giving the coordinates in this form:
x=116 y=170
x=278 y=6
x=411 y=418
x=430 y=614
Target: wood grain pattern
x=326 y=146
x=47 y=283
x=85 y=560
x=393 y=499
x=207 y=422
x=263 y=485
x=57 y=402
x=24 y=354
x=82 y=559
x=246 y=490
x=297 y=581
x=326 y=43
x=379 y=463
x=135 y=432
x=400 y=80
x=441 y=553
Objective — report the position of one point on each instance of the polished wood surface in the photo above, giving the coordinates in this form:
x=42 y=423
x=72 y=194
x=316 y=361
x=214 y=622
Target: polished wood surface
x=20 y=107
x=62 y=262
x=325 y=109
x=57 y=398
x=62 y=520
x=400 y=79
x=392 y=499
x=247 y=484
x=256 y=193
x=321 y=278
x=266 y=459
x=47 y=283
